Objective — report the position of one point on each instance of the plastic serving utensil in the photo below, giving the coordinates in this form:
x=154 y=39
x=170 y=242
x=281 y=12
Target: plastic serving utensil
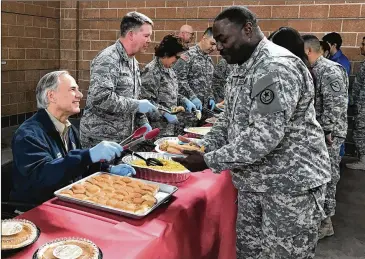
x=149 y=161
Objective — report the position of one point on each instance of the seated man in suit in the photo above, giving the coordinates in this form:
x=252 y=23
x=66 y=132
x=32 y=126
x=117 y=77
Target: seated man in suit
x=46 y=147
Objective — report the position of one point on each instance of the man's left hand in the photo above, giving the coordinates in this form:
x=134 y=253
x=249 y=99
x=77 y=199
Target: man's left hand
x=329 y=139
x=194 y=161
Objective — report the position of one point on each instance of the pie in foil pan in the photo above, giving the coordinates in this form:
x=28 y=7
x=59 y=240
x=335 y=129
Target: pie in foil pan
x=69 y=248
x=17 y=233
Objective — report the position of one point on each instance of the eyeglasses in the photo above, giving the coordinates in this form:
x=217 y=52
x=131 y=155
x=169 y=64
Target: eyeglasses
x=362 y=44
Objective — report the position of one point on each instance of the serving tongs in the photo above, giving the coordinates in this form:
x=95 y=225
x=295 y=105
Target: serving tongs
x=149 y=161
x=149 y=135
x=136 y=134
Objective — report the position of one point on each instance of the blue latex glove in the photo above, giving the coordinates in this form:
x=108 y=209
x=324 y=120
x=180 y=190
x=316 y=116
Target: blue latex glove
x=189 y=106
x=122 y=169
x=211 y=104
x=148 y=126
x=145 y=106
x=197 y=103
x=105 y=150
x=172 y=119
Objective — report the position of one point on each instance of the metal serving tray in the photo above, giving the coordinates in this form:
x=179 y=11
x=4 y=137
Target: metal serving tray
x=165 y=192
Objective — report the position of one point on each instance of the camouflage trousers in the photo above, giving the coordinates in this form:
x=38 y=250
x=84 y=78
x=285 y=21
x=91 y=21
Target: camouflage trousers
x=335 y=158
x=359 y=131
x=279 y=226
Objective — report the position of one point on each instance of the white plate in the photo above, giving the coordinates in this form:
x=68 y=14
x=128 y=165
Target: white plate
x=172 y=139
x=198 y=130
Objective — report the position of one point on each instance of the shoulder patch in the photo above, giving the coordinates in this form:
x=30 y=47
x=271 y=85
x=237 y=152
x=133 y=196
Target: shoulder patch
x=267 y=96
x=336 y=86
x=184 y=57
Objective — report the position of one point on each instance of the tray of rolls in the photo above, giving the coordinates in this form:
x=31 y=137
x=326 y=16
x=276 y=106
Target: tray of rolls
x=134 y=198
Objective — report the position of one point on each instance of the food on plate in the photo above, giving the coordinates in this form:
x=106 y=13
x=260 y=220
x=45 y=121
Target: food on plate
x=68 y=248
x=17 y=233
x=178 y=109
x=220 y=105
x=168 y=165
x=114 y=191
x=174 y=148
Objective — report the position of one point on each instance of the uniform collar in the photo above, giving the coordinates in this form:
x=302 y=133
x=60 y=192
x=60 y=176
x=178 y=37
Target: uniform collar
x=257 y=52
x=60 y=127
x=161 y=66
x=121 y=50
x=199 y=50
x=319 y=59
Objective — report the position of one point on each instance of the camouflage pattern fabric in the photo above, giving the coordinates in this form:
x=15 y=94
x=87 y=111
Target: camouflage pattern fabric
x=159 y=85
x=268 y=135
x=279 y=225
x=194 y=72
x=331 y=96
x=111 y=106
x=220 y=75
x=358 y=95
x=335 y=158
x=269 y=138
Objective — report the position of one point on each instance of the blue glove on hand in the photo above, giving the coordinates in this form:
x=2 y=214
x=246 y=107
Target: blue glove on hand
x=172 y=119
x=189 y=106
x=123 y=170
x=105 y=150
x=211 y=104
x=145 y=106
x=197 y=103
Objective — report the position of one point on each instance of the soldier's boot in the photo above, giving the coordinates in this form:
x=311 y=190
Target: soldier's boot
x=326 y=229
x=359 y=165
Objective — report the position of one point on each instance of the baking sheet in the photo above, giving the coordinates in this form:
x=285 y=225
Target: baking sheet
x=164 y=193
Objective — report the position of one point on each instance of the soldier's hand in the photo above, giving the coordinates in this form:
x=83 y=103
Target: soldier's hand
x=196 y=101
x=194 y=161
x=189 y=106
x=211 y=104
x=329 y=139
x=145 y=106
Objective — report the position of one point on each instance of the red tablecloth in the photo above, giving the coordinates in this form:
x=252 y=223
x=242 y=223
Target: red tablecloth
x=198 y=222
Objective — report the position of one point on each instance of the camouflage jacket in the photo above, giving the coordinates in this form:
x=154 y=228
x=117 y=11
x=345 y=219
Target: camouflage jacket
x=331 y=96
x=159 y=85
x=194 y=72
x=111 y=105
x=221 y=72
x=358 y=88
x=268 y=135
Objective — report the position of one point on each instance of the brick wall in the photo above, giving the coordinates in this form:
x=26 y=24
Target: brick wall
x=30 y=47
x=86 y=27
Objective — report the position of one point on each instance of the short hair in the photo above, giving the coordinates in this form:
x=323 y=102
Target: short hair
x=49 y=81
x=333 y=38
x=170 y=46
x=324 y=46
x=237 y=14
x=208 y=32
x=132 y=21
x=290 y=39
x=363 y=38
x=313 y=42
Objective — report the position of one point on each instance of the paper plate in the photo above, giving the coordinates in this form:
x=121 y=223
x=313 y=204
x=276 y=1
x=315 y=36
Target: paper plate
x=198 y=130
x=172 y=139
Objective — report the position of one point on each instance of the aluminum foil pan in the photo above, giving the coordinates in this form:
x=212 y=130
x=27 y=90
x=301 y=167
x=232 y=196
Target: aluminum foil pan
x=150 y=174
x=22 y=241
x=61 y=241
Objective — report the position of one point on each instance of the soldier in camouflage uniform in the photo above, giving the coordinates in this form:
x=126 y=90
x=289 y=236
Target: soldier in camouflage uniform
x=159 y=84
x=194 y=72
x=221 y=72
x=112 y=110
x=358 y=97
x=269 y=138
x=331 y=95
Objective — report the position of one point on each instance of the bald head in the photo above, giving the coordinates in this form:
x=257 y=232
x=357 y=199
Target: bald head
x=186 y=33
